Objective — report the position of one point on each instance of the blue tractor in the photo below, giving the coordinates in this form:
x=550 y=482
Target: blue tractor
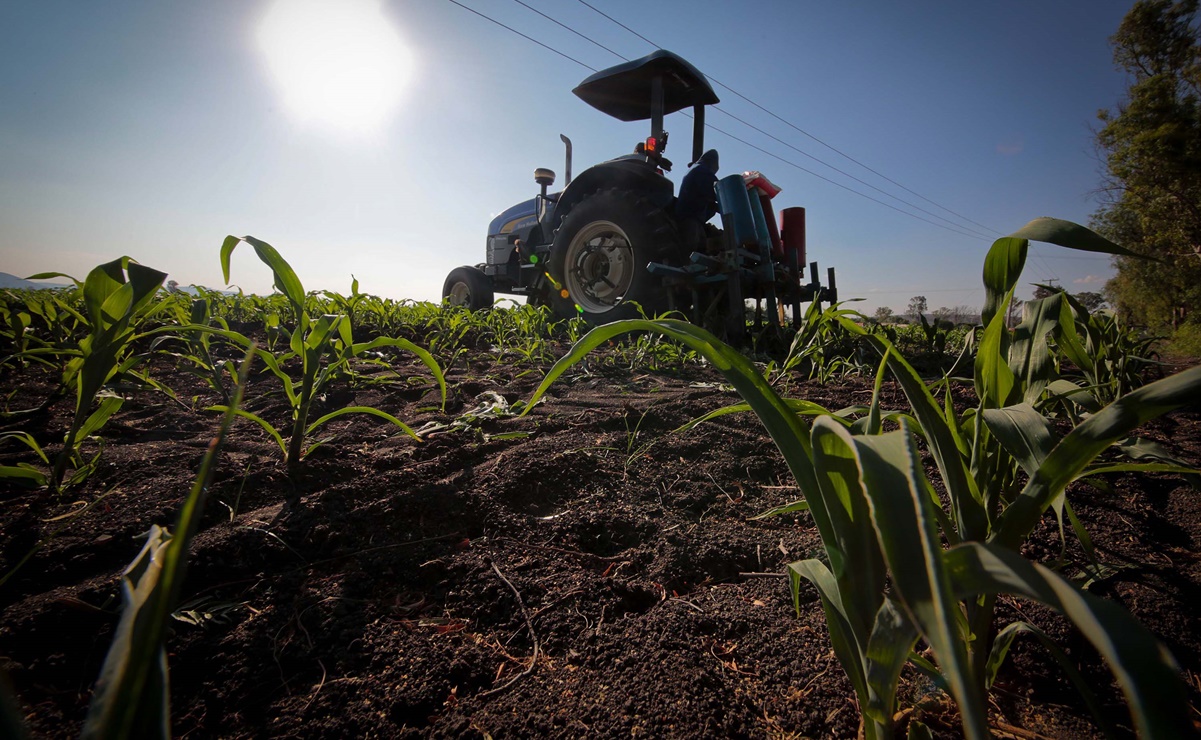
x=609 y=246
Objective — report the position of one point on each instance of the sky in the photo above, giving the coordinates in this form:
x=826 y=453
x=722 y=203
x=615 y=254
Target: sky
x=381 y=144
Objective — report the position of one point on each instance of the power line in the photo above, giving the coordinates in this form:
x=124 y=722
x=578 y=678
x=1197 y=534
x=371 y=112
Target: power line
x=838 y=184
x=569 y=28
x=597 y=10
x=522 y=35
x=800 y=130
x=847 y=174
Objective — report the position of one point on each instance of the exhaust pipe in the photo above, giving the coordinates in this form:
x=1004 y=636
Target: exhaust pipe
x=567 y=165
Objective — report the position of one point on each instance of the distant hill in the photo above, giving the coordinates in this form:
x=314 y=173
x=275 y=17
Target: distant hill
x=12 y=281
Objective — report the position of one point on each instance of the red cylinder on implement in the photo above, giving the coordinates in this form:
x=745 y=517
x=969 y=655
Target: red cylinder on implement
x=792 y=232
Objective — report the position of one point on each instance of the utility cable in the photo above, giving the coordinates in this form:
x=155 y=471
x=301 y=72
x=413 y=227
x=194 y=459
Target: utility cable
x=592 y=41
x=800 y=130
x=844 y=173
x=836 y=183
x=522 y=35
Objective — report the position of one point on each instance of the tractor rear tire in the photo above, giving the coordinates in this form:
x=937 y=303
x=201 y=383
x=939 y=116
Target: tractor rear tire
x=599 y=256
x=468 y=286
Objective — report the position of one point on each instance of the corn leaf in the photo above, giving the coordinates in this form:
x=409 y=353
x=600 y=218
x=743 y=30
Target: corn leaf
x=842 y=632
x=1000 y=649
x=1070 y=235
x=849 y=541
x=1003 y=266
x=965 y=495
x=1075 y=451
x=901 y=513
x=1145 y=670
x=426 y=358
x=1023 y=432
x=132 y=694
x=362 y=410
x=257 y=420
x=285 y=279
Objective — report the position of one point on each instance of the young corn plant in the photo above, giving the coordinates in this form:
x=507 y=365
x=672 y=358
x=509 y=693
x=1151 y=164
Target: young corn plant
x=880 y=518
x=118 y=297
x=1110 y=358
x=199 y=354
x=324 y=347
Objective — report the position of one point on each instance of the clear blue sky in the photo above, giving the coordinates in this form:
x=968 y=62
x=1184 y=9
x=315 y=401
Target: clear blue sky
x=153 y=129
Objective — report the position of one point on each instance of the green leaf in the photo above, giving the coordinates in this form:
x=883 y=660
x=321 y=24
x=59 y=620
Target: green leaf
x=26 y=439
x=1070 y=235
x=849 y=540
x=132 y=693
x=801 y=407
x=1000 y=649
x=892 y=639
x=285 y=279
x=1002 y=267
x=1147 y=673
x=362 y=410
x=257 y=420
x=1030 y=358
x=426 y=358
x=996 y=384
x=1023 y=432
x=23 y=476
x=1073 y=454
x=965 y=496
x=842 y=632
x=790 y=508
x=905 y=524
x=97 y=419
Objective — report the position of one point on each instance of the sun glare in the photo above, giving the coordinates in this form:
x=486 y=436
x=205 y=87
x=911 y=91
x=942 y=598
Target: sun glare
x=339 y=63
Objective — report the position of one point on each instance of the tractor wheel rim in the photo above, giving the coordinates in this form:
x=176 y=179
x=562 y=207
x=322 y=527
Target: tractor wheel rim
x=460 y=294
x=600 y=266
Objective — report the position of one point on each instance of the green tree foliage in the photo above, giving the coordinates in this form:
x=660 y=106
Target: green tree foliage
x=883 y=315
x=1090 y=300
x=1152 y=148
x=917 y=307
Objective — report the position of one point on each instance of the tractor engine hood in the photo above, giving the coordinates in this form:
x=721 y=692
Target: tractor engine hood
x=624 y=91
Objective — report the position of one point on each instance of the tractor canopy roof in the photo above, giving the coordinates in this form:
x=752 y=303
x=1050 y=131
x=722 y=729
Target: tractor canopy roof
x=624 y=91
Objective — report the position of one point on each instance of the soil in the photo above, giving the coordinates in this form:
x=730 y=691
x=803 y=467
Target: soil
x=391 y=588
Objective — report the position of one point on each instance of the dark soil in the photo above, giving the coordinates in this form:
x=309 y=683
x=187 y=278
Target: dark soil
x=384 y=601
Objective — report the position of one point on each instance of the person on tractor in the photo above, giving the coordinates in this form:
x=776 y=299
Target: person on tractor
x=697 y=202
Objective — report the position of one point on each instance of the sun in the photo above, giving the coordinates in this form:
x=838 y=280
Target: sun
x=338 y=63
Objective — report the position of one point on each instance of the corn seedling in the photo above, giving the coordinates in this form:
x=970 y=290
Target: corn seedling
x=117 y=296
x=199 y=344
x=324 y=346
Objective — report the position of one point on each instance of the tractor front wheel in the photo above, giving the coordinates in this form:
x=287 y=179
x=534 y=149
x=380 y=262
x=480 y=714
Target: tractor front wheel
x=599 y=257
x=468 y=286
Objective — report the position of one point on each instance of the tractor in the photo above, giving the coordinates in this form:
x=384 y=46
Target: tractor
x=608 y=245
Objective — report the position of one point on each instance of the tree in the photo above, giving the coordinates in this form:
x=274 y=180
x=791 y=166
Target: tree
x=962 y=314
x=1044 y=291
x=1015 y=312
x=1091 y=301
x=917 y=307
x=883 y=315
x=1151 y=197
